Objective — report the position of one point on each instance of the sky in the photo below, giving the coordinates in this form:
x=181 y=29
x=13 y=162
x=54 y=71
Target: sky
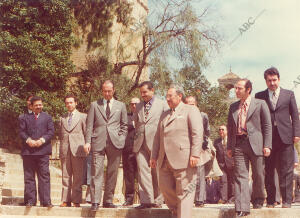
x=271 y=38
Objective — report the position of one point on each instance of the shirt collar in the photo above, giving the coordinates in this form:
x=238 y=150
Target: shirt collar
x=247 y=101
x=277 y=91
x=73 y=112
x=111 y=101
x=150 y=102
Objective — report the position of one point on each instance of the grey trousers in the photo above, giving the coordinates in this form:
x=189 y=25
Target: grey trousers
x=72 y=178
x=200 y=195
x=147 y=178
x=97 y=173
x=243 y=154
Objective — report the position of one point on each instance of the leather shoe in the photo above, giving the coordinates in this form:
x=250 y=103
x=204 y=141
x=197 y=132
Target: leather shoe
x=199 y=204
x=49 y=205
x=270 y=206
x=65 y=204
x=242 y=213
x=94 y=207
x=109 y=205
x=143 y=206
x=286 y=205
x=257 y=206
x=76 y=205
x=221 y=201
x=156 y=206
x=127 y=203
x=29 y=204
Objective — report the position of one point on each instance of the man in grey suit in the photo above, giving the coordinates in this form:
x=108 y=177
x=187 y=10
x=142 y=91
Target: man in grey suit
x=249 y=139
x=72 y=129
x=200 y=196
x=106 y=131
x=146 y=120
x=176 y=153
x=286 y=131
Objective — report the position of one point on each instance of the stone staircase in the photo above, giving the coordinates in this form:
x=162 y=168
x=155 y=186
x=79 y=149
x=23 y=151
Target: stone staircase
x=13 y=185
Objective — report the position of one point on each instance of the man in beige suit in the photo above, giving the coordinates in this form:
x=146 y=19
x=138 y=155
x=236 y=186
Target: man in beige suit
x=146 y=119
x=176 y=153
x=71 y=152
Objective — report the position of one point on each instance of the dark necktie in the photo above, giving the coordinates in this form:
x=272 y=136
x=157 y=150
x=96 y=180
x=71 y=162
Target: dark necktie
x=70 y=120
x=107 y=109
x=146 y=109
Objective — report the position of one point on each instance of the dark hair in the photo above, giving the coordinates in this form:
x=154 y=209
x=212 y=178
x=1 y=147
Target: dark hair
x=271 y=71
x=149 y=84
x=29 y=97
x=248 y=84
x=108 y=82
x=35 y=98
x=70 y=96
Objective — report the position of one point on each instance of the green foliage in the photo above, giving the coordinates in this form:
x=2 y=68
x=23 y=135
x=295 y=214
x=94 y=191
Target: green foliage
x=35 y=49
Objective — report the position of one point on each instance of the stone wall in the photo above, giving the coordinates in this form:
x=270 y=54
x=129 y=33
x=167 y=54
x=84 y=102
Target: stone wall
x=2 y=172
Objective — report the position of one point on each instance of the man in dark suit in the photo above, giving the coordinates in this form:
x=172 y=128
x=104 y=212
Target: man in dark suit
x=212 y=191
x=226 y=165
x=200 y=195
x=128 y=157
x=286 y=132
x=36 y=131
x=106 y=131
x=249 y=139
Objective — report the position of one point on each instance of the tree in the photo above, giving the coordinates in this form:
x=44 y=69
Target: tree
x=35 y=49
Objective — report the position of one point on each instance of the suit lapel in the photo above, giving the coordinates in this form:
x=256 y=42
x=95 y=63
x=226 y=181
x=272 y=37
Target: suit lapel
x=151 y=111
x=251 y=108
x=75 y=120
x=267 y=99
x=172 y=117
x=101 y=109
x=235 y=113
x=113 y=108
x=280 y=98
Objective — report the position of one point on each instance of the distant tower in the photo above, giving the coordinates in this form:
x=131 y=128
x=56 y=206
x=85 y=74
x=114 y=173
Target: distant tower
x=228 y=80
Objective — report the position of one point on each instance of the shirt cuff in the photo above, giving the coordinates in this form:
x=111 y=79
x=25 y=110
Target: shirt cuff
x=27 y=140
x=42 y=140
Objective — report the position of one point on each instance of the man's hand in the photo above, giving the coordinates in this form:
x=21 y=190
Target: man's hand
x=87 y=148
x=38 y=143
x=152 y=163
x=296 y=165
x=296 y=139
x=267 y=152
x=31 y=143
x=194 y=161
x=229 y=153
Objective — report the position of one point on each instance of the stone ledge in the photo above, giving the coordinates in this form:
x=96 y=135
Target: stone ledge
x=220 y=211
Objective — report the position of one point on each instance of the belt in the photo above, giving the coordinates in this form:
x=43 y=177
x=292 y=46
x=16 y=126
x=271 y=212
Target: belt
x=242 y=137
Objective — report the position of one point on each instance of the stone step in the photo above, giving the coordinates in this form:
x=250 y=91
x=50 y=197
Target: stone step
x=20 y=184
x=18 y=192
x=20 y=177
x=209 y=211
x=20 y=172
x=17 y=200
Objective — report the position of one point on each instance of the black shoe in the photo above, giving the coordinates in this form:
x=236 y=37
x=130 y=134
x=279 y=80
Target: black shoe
x=156 y=206
x=49 y=205
x=242 y=213
x=199 y=204
x=29 y=204
x=109 y=205
x=143 y=206
x=257 y=206
x=94 y=207
x=127 y=203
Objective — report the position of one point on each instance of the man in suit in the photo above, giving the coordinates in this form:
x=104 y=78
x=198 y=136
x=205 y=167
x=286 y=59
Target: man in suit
x=36 y=131
x=106 y=131
x=249 y=139
x=226 y=165
x=200 y=196
x=72 y=129
x=146 y=120
x=176 y=153
x=286 y=132
x=128 y=157
x=212 y=190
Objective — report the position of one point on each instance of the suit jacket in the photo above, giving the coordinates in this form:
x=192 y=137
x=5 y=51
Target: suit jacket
x=43 y=127
x=221 y=155
x=72 y=136
x=179 y=136
x=258 y=122
x=99 y=127
x=206 y=127
x=285 y=114
x=131 y=133
x=146 y=129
